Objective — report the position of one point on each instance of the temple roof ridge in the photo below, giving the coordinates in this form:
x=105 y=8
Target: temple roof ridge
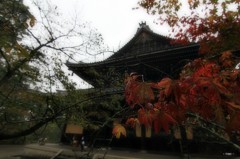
x=143 y=25
x=144 y=43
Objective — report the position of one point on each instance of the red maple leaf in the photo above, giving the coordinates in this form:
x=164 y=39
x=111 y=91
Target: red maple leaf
x=146 y=117
x=176 y=112
x=204 y=97
x=163 y=120
x=165 y=86
x=139 y=93
x=210 y=69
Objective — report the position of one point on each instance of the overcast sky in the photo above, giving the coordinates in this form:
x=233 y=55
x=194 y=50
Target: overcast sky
x=114 y=19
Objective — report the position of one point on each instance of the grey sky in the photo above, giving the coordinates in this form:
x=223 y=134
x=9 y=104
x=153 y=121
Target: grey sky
x=114 y=19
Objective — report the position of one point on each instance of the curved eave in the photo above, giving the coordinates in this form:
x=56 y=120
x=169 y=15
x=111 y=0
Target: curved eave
x=162 y=57
x=81 y=72
x=177 y=51
x=132 y=41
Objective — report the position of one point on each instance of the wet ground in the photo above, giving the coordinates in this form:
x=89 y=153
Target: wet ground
x=13 y=151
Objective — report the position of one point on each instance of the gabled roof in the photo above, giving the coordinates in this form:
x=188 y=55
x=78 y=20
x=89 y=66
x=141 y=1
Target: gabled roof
x=146 y=50
x=143 y=36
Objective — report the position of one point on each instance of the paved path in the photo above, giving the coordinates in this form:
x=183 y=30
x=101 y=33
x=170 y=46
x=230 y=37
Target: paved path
x=147 y=155
x=9 y=151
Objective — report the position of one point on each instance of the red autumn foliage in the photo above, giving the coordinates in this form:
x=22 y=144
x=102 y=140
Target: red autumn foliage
x=208 y=88
x=163 y=120
x=144 y=95
x=207 y=22
x=146 y=117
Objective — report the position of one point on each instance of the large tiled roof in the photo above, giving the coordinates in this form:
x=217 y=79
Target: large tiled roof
x=145 y=48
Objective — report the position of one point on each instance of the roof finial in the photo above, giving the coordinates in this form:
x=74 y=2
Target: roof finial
x=143 y=25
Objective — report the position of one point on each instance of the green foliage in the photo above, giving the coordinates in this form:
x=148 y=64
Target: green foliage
x=95 y=112
x=14 y=20
x=22 y=110
x=15 y=71
x=51 y=131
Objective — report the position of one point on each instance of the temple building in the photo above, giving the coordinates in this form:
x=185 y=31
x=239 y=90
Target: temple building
x=149 y=54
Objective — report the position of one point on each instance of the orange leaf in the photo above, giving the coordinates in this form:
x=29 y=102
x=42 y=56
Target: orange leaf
x=119 y=130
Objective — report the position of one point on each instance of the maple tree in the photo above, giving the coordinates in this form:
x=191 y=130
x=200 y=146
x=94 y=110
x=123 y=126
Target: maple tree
x=211 y=23
x=206 y=95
